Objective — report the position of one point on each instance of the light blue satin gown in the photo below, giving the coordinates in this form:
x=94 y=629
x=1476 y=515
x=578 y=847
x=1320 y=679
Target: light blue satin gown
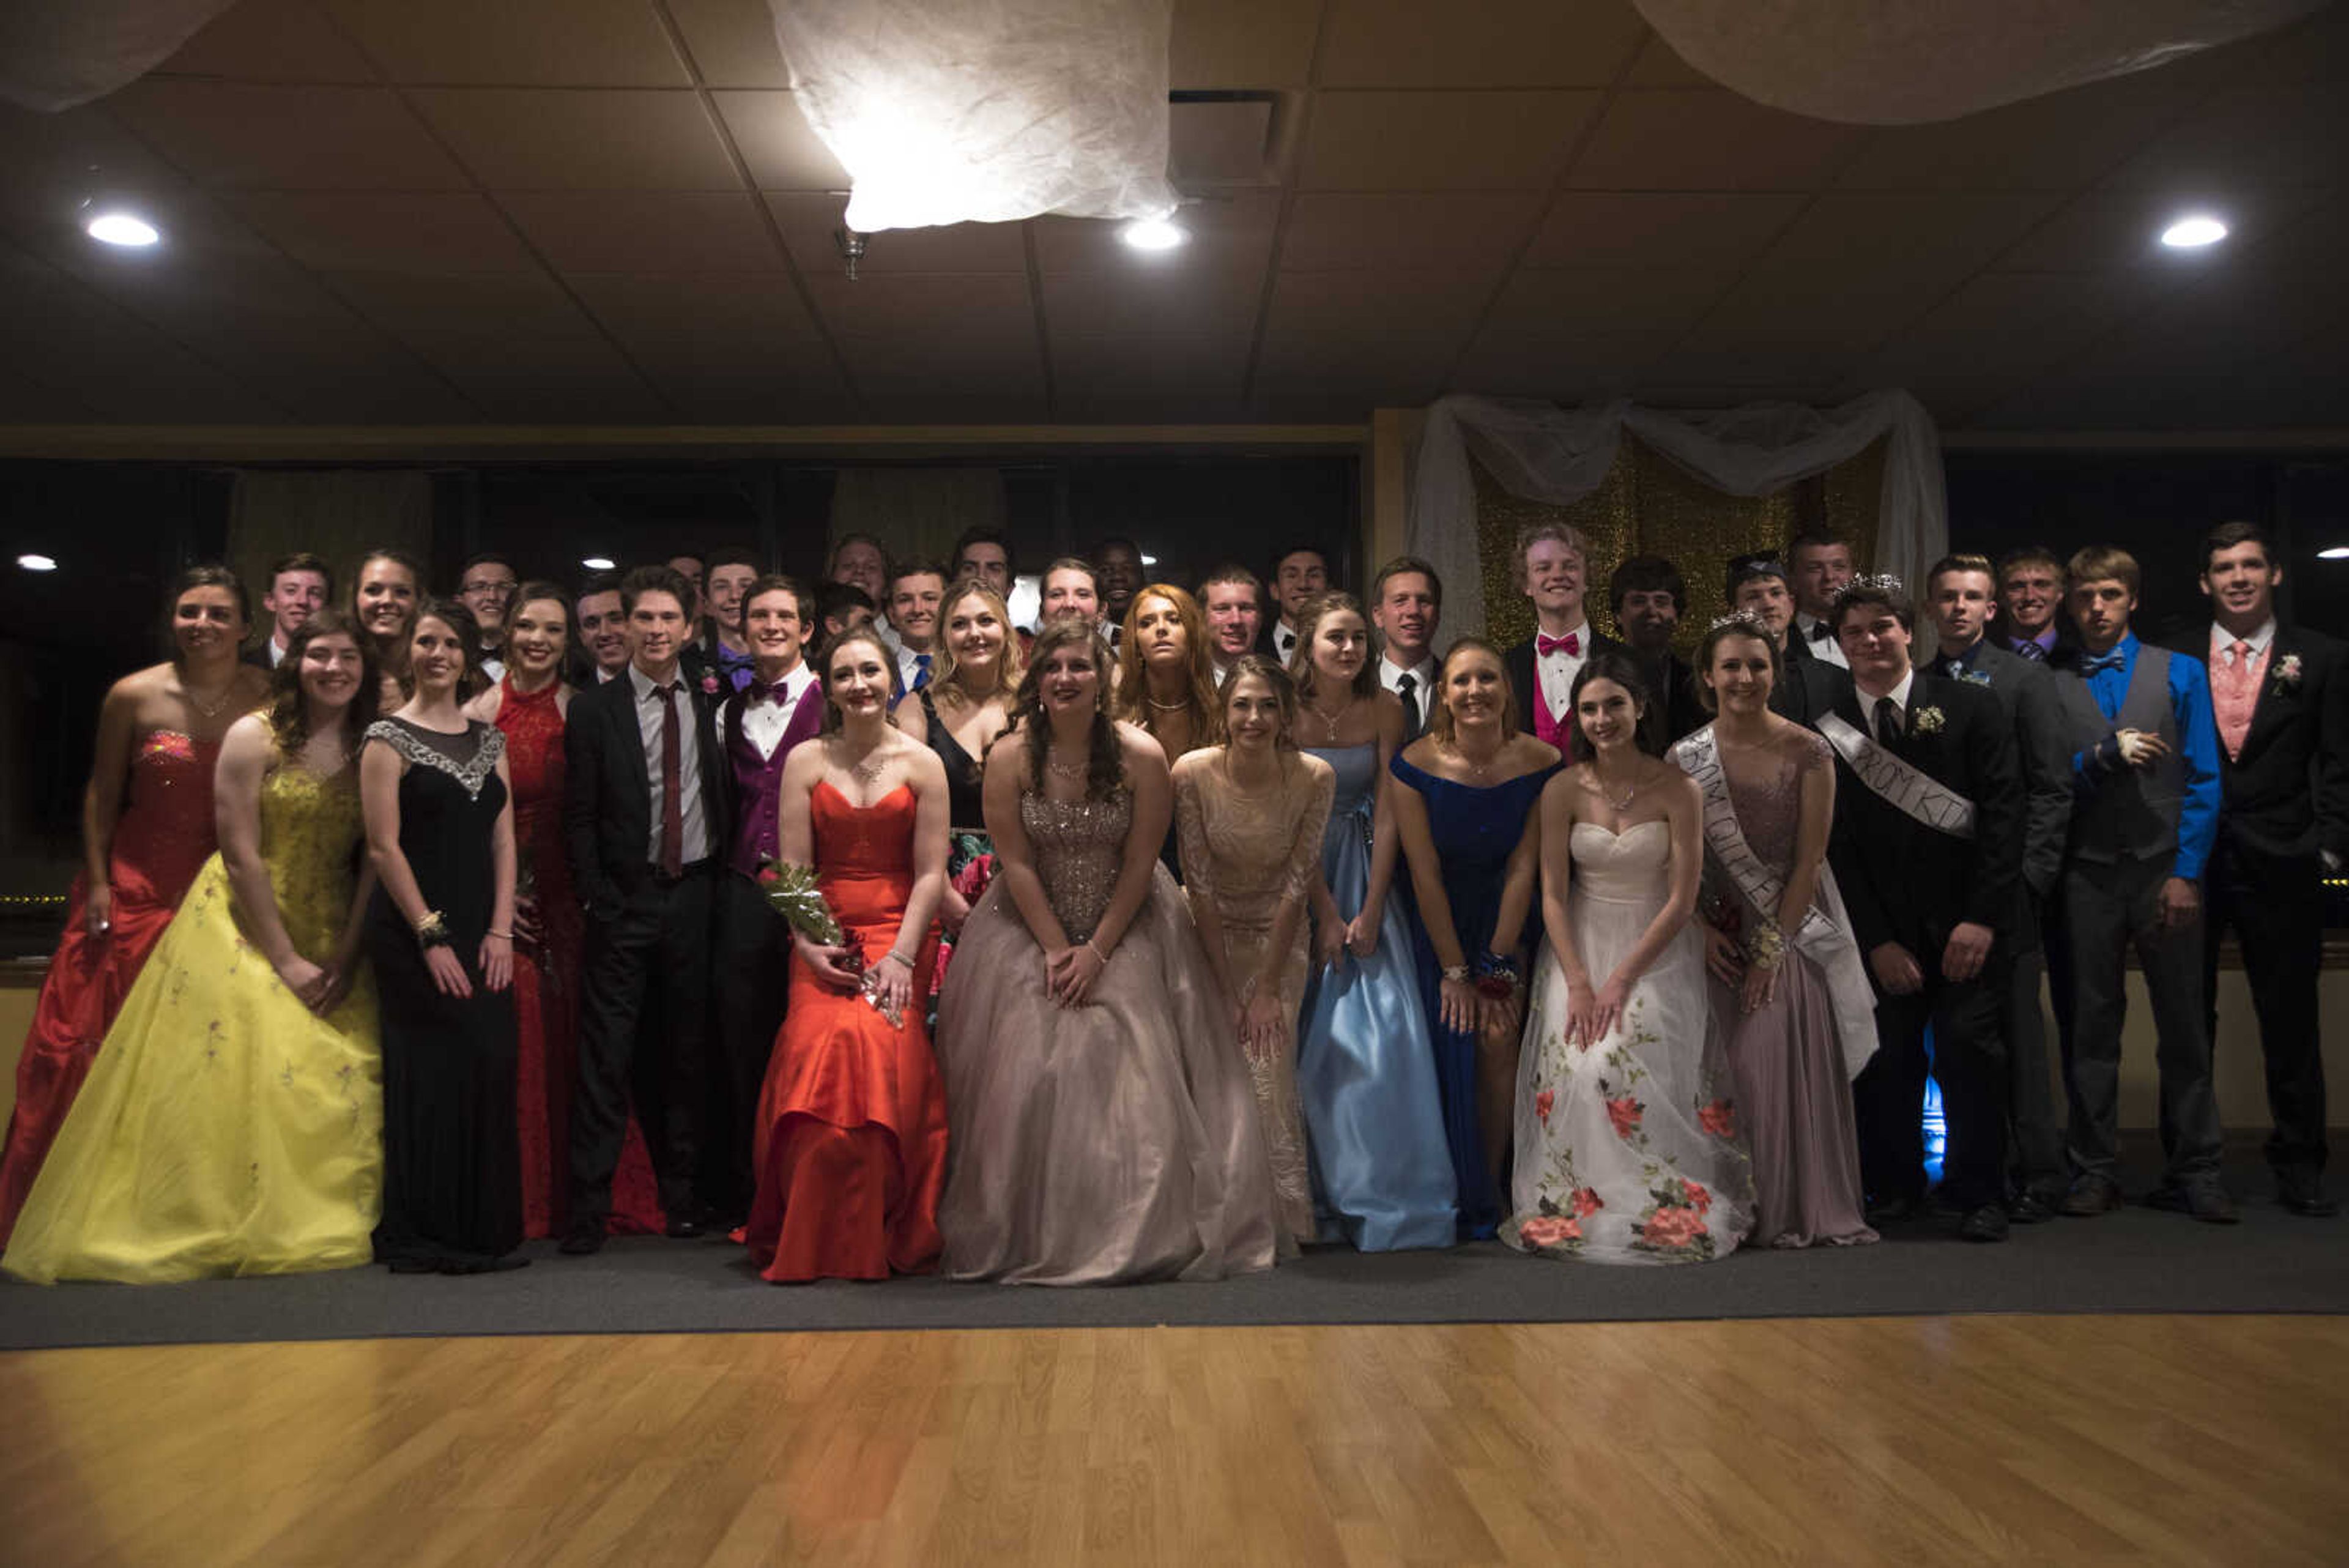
x=1365 y=1076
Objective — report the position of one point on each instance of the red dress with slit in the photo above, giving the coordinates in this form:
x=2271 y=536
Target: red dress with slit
x=852 y=1135
x=549 y=937
x=161 y=839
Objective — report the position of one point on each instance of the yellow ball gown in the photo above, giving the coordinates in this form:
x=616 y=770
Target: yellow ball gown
x=225 y=1128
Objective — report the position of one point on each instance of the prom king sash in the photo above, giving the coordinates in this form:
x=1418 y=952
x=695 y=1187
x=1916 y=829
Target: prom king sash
x=1898 y=783
x=1825 y=935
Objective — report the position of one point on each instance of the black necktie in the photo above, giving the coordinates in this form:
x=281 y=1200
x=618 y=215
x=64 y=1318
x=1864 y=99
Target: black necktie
x=1407 y=688
x=1888 y=723
x=1819 y=631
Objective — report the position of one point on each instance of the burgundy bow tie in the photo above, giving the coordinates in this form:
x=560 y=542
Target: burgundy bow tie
x=1544 y=645
x=756 y=690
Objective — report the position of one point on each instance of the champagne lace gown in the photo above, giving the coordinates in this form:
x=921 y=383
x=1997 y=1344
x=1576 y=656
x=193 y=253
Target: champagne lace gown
x=1246 y=854
x=1113 y=1142
x=225 y=1128
x=160 y=841
x=1626 y=1148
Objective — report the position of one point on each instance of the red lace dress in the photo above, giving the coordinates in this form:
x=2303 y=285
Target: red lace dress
x=851 y=1131
x=162 y=840
x=548 y=940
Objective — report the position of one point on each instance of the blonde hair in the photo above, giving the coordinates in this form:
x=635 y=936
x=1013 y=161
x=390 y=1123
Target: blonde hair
x=1533 y=533
x=1309 y=629
x=1009 y=665
x=1439 y=719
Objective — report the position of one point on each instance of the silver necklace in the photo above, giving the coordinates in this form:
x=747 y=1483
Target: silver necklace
x=869 y=769
x=1329 y=721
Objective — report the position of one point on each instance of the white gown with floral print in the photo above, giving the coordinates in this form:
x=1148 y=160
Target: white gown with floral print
x=1626 y=1146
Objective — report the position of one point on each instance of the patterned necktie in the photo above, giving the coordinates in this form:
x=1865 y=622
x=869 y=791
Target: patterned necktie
x=1570 y=645
x=2031 y=648
x=1407 y=688
x=2233 y=695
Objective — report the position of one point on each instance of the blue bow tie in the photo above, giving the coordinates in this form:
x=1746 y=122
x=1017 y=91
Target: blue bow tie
x=2092 y=663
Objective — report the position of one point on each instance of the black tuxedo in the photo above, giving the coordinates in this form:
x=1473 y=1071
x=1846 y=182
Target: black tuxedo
x=1908 y=883
x=2027 y=691
x=643 y=1004
x=1807 y=688
x=1519 y=663
x=2286 y=800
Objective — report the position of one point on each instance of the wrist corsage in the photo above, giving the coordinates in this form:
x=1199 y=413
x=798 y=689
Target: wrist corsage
x=1497 y=977
x=1455 y=972
x=433 y=930
x=1766 y=948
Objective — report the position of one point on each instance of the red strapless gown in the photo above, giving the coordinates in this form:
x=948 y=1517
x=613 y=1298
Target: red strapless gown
x=162 y=840
x=852 y=1136
x=547 y=947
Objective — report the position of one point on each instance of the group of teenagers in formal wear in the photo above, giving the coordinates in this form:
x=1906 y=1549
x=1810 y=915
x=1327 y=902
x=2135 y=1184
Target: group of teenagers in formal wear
x=1170 y=935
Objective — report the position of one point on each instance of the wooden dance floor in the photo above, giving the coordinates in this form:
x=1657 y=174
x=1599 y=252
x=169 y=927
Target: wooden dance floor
x=2143 y=1439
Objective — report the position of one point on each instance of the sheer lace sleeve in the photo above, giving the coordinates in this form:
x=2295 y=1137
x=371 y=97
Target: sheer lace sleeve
x=1191 y=834
x=1312 y=824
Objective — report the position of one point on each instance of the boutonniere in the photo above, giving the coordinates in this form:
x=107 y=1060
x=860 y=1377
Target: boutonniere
x=1975 y=677
x=2287 y=672
x=709 y=683
x=1925 y=722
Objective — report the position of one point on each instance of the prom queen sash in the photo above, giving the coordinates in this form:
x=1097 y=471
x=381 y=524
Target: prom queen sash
x=1825 y=935
x=1899 y=785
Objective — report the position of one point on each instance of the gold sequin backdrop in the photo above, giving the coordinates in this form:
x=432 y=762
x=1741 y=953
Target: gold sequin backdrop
x=1648 y=506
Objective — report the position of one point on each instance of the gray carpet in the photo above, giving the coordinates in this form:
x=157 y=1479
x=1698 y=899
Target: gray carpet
x=2137 y=1260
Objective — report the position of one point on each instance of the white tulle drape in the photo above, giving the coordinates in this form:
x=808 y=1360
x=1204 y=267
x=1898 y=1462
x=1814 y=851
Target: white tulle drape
x=1553 y=455
x=54 y=54
x=949 y=111
x=1904 y=62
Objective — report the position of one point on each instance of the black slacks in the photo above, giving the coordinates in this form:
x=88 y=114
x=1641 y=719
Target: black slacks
x=644 y=1030
x=2276 y=904
x=1969 y=1061
x=749 y=981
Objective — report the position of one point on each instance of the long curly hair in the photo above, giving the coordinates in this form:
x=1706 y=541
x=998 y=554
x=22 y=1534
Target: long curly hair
x=1132 y=699
x=288 y=713
x=1011 y=664
x=1105 y=762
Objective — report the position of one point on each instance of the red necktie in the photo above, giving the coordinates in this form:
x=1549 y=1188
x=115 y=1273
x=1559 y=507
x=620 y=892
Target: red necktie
x=1544 y=645
x=672 y=848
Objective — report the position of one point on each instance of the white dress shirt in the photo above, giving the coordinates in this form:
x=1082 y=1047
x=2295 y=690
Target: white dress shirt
x=2222 y=641
x=764 y=722
x=276 y=651
x=694 y=838
x=1897 y=697
x=1555 y=675
x=909 y=665
x=1422 y=682
x=1284 y=641
x=1828 y=648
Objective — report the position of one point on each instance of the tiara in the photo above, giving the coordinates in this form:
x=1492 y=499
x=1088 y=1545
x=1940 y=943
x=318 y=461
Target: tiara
x=1744 y=619
x=1880 y=583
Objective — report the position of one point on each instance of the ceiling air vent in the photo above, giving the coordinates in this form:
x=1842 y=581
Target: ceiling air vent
x=1221 y=137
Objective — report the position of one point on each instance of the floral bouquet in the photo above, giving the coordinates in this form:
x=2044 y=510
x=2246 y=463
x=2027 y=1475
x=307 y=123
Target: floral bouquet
x=792 y=892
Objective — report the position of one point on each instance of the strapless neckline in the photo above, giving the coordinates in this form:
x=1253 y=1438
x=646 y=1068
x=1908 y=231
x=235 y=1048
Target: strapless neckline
x=1595 y=827
x=840 y=796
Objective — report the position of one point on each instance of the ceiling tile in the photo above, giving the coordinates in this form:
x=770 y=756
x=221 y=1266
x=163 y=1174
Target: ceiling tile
x=1470 y=231
x=1674 y=229
x=527 y=43
x=2058 y=142
x=809 y=222
x=1209 y=304
x=65 y=335
x=1660 y=66
x=1360 y=317
x=645 y=231
x=1478 y=43
x=732 y=42
x=270 y=41
x=1564 y=366
x=1225 y=142
x=1239 y=44
x=1582 y=301
x=709 y=330
x=1708 y=139
x=1936 y=240
x=269 y=137
x=1441 y=141
x=776 y=144
x=951 y=312
x=1850 y=310
x=2293 y=135
x=519 y=139
x=395 y=230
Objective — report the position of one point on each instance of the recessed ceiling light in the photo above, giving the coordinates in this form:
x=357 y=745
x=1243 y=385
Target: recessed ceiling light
x=37 y=562
x=2338 y=553
x=1154 y=234
x=122 y=229
x=2192 y=233
x=596 y=563
x=1149 y=560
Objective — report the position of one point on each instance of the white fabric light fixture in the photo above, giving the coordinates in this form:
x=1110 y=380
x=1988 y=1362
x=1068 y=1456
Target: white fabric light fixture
x=1907 y=62
x=951 y=111
x=53 y=55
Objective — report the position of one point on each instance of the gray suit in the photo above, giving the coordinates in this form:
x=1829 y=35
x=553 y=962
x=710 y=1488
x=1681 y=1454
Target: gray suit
x=2027 y=692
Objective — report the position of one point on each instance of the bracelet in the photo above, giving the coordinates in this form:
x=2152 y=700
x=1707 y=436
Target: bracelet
x=1455 y=972
x=1490 y=964
x=1097 y=952
x=433 y=930
x=901 y=958
x=501 y=936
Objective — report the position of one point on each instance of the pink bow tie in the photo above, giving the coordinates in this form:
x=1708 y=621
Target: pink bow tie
x=1544 y=645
